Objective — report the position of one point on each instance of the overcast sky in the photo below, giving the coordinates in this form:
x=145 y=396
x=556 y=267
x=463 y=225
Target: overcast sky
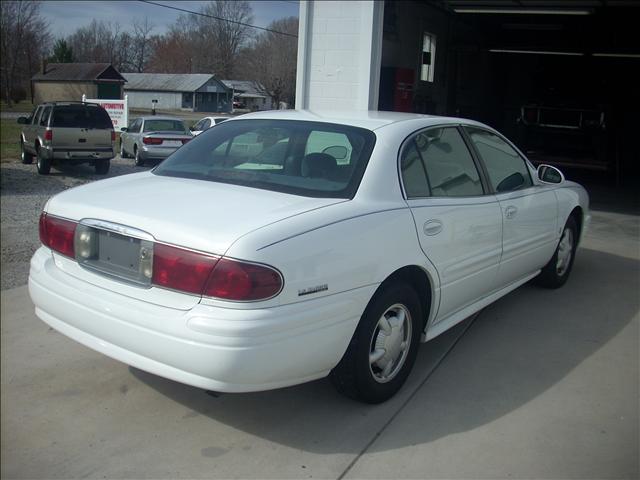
x=65 y=17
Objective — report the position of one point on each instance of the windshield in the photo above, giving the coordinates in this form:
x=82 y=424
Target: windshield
x=303 y=158
x=166 y=125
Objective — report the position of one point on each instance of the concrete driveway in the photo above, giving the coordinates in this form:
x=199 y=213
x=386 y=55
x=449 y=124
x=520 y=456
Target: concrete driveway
x=540 y=384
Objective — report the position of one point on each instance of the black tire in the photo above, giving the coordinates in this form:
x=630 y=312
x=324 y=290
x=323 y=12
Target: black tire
x=43 y=163
x=555 y=273
x=123 y=152
x=355 y=376
x=138 y=159
x=102 y=166
x=25 y=157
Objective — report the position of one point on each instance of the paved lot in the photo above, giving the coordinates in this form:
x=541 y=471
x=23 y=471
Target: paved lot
x=542 y=384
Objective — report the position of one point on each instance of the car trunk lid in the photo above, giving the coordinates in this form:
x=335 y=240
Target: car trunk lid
x=200 y=215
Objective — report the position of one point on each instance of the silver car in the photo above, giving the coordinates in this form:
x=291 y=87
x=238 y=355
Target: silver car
x=153 y=138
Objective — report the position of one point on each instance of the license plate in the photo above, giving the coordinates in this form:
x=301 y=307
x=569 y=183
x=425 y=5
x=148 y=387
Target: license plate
x=124 y=257
x=171 y=143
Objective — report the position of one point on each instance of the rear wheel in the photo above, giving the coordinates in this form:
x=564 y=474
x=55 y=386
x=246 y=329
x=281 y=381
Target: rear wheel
x=102 y=167
x=383 y=348
x=138 y=158
x=556 y=272
x=25 y=157
x=43 y=163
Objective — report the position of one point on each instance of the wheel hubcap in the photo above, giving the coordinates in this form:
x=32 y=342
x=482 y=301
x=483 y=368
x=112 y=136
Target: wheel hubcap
x=565 y=250
x=390 y=343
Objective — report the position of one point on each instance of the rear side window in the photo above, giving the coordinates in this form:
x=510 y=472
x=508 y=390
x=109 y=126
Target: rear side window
x=298 y=157
x=507 y=170
x=80 y=116
x=436 y=162
x=44 y=118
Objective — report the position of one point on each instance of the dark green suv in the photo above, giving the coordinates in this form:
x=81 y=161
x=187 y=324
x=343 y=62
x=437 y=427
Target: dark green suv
x=68 y=132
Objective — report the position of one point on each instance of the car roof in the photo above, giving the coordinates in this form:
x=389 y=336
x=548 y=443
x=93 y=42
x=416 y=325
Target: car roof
x=371 y=120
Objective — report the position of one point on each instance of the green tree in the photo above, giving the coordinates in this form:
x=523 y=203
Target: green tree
x=62 y=52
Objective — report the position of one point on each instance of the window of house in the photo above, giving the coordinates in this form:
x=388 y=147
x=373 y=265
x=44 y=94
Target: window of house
x=187 y=100
x=428 y=59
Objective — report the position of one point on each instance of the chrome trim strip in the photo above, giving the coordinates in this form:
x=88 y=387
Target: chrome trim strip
x=117 y=228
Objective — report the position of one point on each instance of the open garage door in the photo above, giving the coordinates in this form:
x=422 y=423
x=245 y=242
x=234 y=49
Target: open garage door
x=560 y=78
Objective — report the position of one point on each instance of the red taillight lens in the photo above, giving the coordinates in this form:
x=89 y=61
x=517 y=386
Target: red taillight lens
x=113 y=135
x=185 y=140
x=234 y=280
x=48 y=135
x=152 y=141
x=181 y=269
x=57 y=234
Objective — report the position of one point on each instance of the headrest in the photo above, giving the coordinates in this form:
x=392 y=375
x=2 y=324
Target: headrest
x=318 y=165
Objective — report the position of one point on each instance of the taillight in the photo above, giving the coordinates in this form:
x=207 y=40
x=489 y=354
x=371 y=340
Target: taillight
x=181 y=269
x=57 y=234
x=240 y=281
x=113 y=135
x=152 y=141
x=185 y=140
x=48 y=135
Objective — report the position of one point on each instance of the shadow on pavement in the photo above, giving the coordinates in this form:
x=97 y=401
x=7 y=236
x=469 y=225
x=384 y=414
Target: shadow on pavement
x=518 y=348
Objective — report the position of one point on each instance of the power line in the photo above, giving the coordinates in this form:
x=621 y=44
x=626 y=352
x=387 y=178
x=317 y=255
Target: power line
x=219 y=18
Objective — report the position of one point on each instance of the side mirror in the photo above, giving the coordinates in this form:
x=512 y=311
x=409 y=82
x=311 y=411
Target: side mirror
x=550 y=174
x=23 y=120
x=123 y=129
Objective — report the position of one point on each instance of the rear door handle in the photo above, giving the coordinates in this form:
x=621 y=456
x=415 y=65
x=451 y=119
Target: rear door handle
x=510 y=211
x=432 y=227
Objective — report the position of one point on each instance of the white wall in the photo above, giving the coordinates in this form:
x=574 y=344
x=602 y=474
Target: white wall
x=166 y=100
x=339 y=52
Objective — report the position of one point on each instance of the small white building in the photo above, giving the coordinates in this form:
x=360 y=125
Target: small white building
x=196 y=92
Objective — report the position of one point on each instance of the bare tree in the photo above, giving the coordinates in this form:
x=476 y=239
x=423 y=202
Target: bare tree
x=24 y=40
x=271 y=61
x=141 y=43
x=97 y=42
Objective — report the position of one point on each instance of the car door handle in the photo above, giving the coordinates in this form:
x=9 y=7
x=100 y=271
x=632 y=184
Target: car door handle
x=510 y=211
x=432 y=227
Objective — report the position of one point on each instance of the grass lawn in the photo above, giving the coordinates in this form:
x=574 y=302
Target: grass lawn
x=10 y=146
x=24 y=106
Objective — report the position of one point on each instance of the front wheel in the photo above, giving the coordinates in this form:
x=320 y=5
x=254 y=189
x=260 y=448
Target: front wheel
x=556 y=272
x=383 y=348
x=25 y=157
x=123 y=153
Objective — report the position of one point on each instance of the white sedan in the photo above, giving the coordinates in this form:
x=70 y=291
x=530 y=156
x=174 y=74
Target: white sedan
x=287 y=246
x=206 y=123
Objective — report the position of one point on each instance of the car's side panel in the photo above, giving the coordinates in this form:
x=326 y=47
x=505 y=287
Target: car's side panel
x=530 y=232
x=571 y=195
x=462 y=238
x=336 y=249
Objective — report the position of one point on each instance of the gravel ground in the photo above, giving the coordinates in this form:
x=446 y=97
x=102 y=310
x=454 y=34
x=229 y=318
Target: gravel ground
x=23 y=193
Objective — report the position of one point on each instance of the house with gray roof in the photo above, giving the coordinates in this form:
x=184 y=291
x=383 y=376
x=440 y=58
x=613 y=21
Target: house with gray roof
x=250 y=94
x=195 y=92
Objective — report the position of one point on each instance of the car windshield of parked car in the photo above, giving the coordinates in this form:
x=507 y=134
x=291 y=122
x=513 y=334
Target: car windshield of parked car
x=298 y=157
x=80 y=116
x=164 y=125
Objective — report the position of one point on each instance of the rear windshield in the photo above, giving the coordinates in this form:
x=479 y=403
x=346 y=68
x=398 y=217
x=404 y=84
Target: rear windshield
x=80 y=116
x=303 y=158
x=164 y=126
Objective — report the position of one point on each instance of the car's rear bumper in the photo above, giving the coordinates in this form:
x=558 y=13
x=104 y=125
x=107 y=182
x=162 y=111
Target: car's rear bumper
x=156 y=153
x=221 y=349
x=76 y=154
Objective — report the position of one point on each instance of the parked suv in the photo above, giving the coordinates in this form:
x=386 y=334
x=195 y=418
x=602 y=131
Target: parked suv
x=68 y=132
